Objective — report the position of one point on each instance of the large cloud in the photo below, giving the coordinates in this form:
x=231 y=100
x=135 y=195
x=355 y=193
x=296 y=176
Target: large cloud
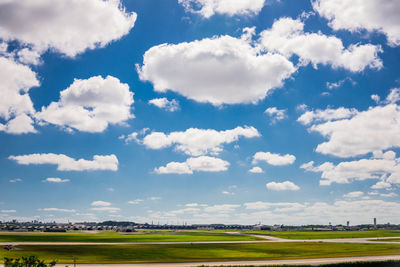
x=196 y=142
x=90 y=105
x=371 y=15
x=203 y=163
x=67 y=26
x=288 y=38
x=15 y=102
x=65 y=163
x=377 y=128
x=220 y=70
x=207 y=8
x=384 y=166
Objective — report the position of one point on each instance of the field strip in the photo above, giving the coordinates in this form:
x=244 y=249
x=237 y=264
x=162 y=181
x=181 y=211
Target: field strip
x=313 y=262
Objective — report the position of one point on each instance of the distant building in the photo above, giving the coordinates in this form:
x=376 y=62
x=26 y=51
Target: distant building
x=348 y=223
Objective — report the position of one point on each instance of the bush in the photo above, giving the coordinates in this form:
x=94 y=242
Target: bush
x=31 y=261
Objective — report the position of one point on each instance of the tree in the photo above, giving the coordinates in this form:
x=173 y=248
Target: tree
x=31 y=261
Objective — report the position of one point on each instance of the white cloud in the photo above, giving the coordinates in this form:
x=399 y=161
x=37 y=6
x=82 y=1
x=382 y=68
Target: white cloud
x=90 y=105
x=16 y=180
x=334 y=85
x=326 y=115
x=65 y=163
x=278 y=206
x=15 y=102
x=69 y=27
x=203 y=163
x=381 y=185
x=196 y=142
x=392 y=194
x=100 y=203
x=347 y=171
x=135 y=202
x=372 y=130
x=223 y=208
x=154 y=198
x=220 y=70
x=56 y=180
x=57 y=209
x=372 y=15
x=164 y=103
x=287 y=185
x=355 y=194
x=28 y=56
x=208 y=8
x=256 y=169
x=288 y=38
x=227 y=193
x=8 y=211
x=273 y=159
x=276 y=114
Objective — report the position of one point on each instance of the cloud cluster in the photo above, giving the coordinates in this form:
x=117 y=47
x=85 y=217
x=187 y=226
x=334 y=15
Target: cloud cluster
x=65 y=163
x=15 y=102
x=276 y=114
x=208 y=8
x=256 y=169
x=273 y=159
x=90 y=105
x=197 y=142
x=328 y=114
x=203 y=163
x=219 y=70
x=68 y=27
x=372 y=15
x=288 y=38
x=383 y=166
x=164 y=103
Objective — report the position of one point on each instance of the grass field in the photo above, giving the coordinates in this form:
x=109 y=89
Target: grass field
x=110 y=237
x=197 y=252
x=328 y=234
x=388 y=240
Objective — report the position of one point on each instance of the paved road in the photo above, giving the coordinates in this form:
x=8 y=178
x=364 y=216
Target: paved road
x=314 y=262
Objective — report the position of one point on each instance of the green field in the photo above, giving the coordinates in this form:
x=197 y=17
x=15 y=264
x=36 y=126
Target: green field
x=328 y=234
x=388 y=240
x=114 y=237
x=197 y=252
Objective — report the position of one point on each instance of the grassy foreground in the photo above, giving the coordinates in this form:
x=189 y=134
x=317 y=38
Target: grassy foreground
x=328 y=234
x=114 y=237
x=197 y=252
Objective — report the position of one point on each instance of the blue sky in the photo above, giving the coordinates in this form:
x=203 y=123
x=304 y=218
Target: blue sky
x=280 y=112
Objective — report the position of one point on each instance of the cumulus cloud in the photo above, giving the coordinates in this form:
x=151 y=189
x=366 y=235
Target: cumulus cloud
x=56 y=180
x=100 y=203
x=90 y=105
x=135 y=202
x=288 y=38
x=219 y=70
x=276 y=114
x=347 y=171
x=273 y=159
x=15 y=102
x=65 y=163
x=164 y=103
x=208 y=8
x=256 y=169
x=68 y=27
x=381 y=185
x=328 y=114
x=372 y=15
x=203 y=163
x=284 y=186
x=196 y=142
x=372 y=130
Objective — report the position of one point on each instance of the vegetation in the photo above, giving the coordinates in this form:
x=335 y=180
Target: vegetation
x=115 y=237
x=346 y=264
x=197 y=252
x=328 y=234
x=31 y=261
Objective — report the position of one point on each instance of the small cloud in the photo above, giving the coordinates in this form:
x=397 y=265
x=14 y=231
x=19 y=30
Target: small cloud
x=276 y=114
x=56 y=180
x=284 y=186
x=389 y=195
x=164 y=103
x=109 y=209
x=135 y=202
x=16 y=180
x=100 y=203
x=228 y=193
x=110 y=189
x=256 y=169
x=154 y=198
x=355 y=194
x=57 y=209
x=8 y=211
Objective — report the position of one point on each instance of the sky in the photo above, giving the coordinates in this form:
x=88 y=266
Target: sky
x=200 y=111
